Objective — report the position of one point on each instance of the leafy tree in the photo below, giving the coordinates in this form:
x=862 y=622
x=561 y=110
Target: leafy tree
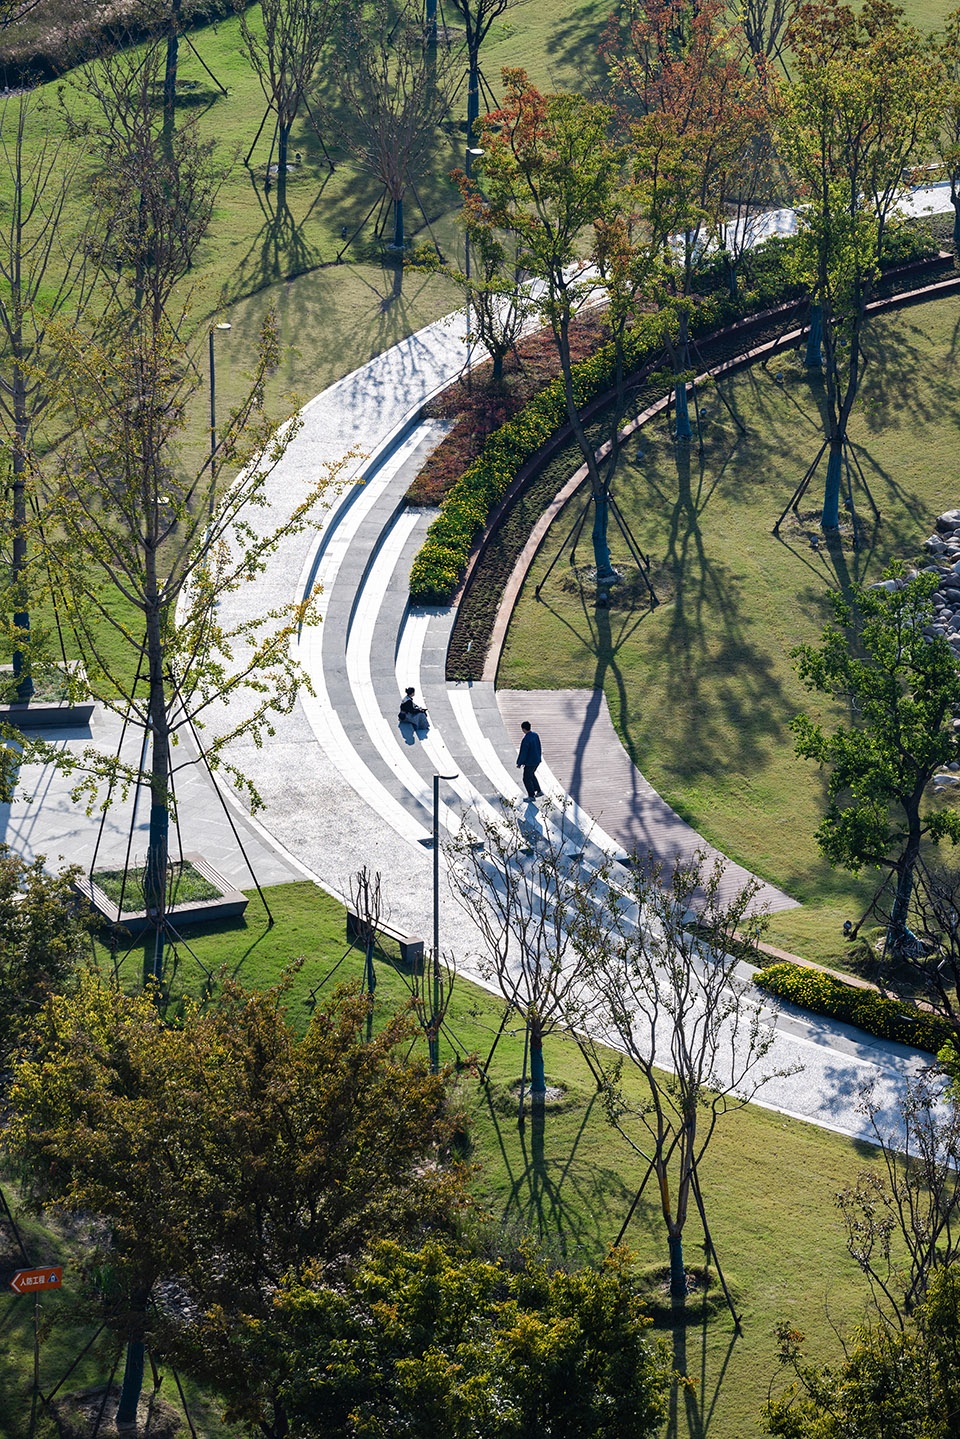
x=548 y=175
x=903 y=687
x=666 y=988
x=44 y=277
x=226 y=1153
x=435 y=1342
x=498 y=300
x=860 y=110
x=948 y=139
x=695 y=102
x=44 y=938
x=126 y=513
x=890 y=1384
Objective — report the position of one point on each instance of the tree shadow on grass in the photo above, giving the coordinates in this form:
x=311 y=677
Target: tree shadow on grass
x=280 y=250
x=558 y=1197
x=575 y=45
x=693 y=1404
x=708 y=635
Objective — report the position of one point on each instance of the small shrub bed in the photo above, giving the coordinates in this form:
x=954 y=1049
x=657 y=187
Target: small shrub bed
x=822 y=993
x=439 y=566
x=185 y=885
x=479 y=407
x=56 y=35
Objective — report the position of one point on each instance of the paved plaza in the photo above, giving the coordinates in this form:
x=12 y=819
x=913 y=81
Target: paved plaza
x=345 y=785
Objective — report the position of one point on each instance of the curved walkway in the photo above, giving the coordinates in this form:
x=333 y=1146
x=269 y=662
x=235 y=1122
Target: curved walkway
x=344 y=786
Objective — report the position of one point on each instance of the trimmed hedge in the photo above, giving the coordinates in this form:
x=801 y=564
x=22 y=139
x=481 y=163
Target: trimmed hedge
x=824 y=994
x=437 y=570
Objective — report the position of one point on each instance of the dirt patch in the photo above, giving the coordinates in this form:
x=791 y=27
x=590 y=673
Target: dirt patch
x=478 y=406
x=78 y=1415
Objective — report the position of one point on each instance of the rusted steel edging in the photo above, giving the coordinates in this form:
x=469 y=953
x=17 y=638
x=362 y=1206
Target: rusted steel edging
x=511 y=592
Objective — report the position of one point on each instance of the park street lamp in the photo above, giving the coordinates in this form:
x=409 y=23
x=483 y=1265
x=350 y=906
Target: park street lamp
x=223 y=325
x=473 y=153
x=433 y=1027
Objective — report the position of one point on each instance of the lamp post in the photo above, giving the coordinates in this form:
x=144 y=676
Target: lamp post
x=433 y=1030
x=223 y=325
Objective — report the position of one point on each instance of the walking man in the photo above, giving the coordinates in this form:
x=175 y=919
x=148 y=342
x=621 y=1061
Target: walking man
x=528 y=759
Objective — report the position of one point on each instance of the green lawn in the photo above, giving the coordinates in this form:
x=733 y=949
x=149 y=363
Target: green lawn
x=769 y=1181
x=702 y=690
x=336 y=317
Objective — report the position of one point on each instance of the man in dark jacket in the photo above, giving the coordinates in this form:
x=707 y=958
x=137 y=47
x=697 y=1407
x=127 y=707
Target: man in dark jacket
x=529 y=758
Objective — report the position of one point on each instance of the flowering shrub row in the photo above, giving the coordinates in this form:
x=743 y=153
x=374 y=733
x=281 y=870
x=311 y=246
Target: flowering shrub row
x=439 y=566
x=824 y=994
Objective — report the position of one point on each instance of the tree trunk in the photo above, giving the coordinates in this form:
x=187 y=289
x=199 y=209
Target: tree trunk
x=132 y=1386
x=679 y=355
x=155 y=868
x=398 y=223
x=683 y=431
x=21 y=618
x=730 y=271
x=497 y=374
x=813 y=355
x=830 y=518
x=678 y=1277
x=473 y=99
x=538 y=1078
x=601 y=547
x=170 y=75
x=900 y=913
x=283 y=147
x=955 y=199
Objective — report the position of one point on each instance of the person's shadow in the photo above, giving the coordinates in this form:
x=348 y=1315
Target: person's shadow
x=411 y=732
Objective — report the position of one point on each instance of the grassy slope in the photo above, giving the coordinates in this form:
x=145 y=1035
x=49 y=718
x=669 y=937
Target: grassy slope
x=769 y=1183
x=703 y=689
x=775 y=1222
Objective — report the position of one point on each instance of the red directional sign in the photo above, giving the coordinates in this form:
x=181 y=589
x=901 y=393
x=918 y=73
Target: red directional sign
x=25 y=1281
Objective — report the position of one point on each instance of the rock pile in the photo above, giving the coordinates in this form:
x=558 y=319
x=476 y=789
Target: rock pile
x=944 y=548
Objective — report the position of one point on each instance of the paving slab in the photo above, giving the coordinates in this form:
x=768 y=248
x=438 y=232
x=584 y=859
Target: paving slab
x=585 y=753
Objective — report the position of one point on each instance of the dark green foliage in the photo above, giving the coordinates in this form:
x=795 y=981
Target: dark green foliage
x=892 y=1383
x=43 y=937
x=823 y=994
x=903 y=685
x=431 y=1343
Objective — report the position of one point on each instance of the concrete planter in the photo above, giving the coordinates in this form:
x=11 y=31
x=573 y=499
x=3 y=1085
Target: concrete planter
x=230 y=903
x=47 y=714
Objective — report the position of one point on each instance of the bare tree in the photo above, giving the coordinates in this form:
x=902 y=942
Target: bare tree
x=904 y=1222
x=138 y=554
x=286 y=54
x=765 y=24
x=524 y=886
x=396 y=89
x=663 y=971
x=44 y=276
x=153 y=196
